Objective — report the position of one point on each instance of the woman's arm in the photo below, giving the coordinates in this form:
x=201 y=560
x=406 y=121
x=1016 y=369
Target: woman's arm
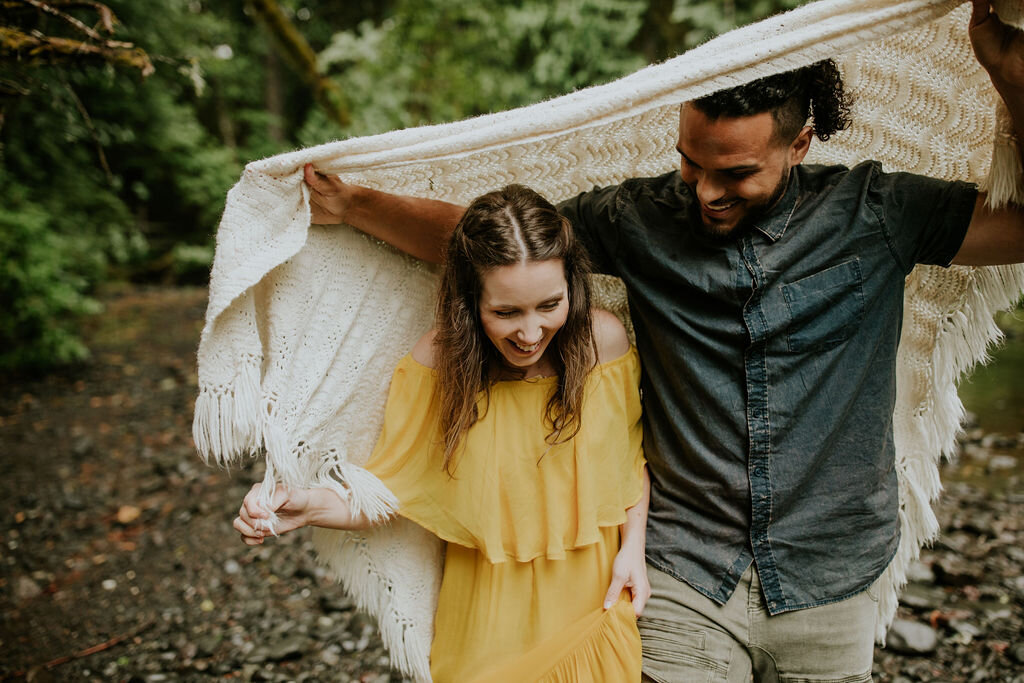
x=417 y=226
x=630 y=567
x=295 y=508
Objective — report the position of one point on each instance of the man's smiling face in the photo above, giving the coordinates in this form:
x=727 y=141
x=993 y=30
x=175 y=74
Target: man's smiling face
x=737 y=167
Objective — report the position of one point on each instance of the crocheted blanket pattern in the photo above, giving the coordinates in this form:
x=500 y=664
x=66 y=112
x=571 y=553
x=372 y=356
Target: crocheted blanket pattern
x=305 y=323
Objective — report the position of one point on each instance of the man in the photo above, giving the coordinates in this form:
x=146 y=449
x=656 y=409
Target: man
x=767 y=302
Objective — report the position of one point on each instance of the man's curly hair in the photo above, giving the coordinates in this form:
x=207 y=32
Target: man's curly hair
x=792 y=97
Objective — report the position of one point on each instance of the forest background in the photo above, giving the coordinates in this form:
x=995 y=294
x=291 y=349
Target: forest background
x=123 y=125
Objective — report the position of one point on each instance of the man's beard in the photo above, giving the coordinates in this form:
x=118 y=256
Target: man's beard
x=710 y=233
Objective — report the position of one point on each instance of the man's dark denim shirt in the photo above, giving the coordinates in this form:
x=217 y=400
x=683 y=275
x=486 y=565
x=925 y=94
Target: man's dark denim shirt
x=769 y=370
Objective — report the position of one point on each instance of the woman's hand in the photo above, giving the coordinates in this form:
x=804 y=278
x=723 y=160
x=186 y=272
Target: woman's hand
x=629 y=570
x=291 y=505
x=296 y=508
x=329 y=197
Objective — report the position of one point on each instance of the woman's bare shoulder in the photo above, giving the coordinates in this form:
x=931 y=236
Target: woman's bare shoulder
x=609 y=336
x=423 y=351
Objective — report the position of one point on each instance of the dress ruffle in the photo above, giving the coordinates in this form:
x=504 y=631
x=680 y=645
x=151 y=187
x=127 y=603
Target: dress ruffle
x=576 y=488
x=602 y=648
x=530 y=621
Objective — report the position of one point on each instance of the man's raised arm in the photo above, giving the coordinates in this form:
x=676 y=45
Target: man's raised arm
x=996 y=237
x=419 y=227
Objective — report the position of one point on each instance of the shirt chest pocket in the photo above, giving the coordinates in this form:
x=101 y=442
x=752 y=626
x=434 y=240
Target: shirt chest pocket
x=825 y=308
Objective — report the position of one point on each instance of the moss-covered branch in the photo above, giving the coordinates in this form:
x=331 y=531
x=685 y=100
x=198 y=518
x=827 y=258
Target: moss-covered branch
x=16 y=45
x=297 y=52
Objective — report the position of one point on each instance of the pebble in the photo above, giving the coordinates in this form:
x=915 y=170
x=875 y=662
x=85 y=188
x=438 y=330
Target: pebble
x=287 y=648
x=330 y=657
x=26 y=589
x=109 y=584
x=965 y=632
x=126 y=514
x=73 y=502
x=920 y=572
x=979 y=675
x=83 y=446
x=999 y=463
x=207 y=645
x=333 y=600
x=954 y=570
x=923 y=597
x=911 y=637
x=995 y=440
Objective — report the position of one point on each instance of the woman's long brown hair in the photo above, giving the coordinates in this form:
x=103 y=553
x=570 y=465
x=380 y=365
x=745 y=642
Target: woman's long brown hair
x=501 y=228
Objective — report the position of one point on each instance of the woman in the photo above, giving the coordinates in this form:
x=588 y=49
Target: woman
x=512 y=432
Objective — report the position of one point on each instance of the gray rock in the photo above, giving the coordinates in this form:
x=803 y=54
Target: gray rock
x=26 y=589
x=911 y=637
x=953 y=570
x=976 y=452
x=335 y=602
x=83 y=446
x=207 y=645
x=73 y=502
x=999 y=440
x=966 y=629
x=922 y=597
x=330 y=657
x=920 y=572
x=997 y=613
x=999 y=463
x=289 y=647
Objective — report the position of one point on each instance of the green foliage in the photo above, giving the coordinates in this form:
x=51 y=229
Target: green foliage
x=103 y=168
x=42 y=276
x=704 y=19
x=431 y=61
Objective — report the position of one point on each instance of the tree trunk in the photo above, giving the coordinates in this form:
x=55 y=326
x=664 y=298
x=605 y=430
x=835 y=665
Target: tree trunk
x=295 y=50
x=659 y=38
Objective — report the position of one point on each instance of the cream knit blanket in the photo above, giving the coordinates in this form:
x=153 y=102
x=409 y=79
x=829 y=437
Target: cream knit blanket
x=305 y=323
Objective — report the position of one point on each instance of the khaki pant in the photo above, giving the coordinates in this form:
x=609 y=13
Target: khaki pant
x=688 y=638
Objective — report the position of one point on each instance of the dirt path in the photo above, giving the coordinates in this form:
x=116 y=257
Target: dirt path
x=118 y=562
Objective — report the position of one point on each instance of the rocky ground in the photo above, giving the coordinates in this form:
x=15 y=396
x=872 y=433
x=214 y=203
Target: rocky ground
x=118 y=561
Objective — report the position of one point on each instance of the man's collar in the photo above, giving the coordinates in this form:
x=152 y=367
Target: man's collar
x=774 y=223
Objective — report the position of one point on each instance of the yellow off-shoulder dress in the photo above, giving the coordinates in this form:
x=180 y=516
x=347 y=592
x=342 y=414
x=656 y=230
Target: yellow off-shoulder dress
x=531 y=531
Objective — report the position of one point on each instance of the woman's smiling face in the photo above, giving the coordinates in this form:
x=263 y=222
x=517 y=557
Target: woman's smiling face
x=522 y=307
